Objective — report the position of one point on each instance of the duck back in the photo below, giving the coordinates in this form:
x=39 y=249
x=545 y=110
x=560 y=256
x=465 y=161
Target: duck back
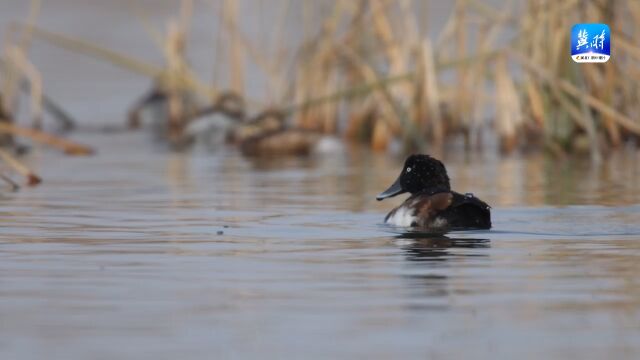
x=467 y=212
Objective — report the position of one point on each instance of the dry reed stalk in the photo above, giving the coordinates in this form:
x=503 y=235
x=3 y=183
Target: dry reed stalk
x=59 y=114
x=56 y=111
x=318 y=74
x=358 y=91
x=27 y=35
x=5 y=117
x=309 y=88
x=360 y=114
x=633 y=10
x=329 y=74
x=603 y=85
x=154 y=34
x=492 y=13
x=388 y=110
x=32 y=178
x=380 y=138
x=300 y=95
x=14 y=186
x=330 y=110
x=606 y=87
x=276 y=67
x=556 y=55
x=590 y=123
x=570 y=108
x=490 y=29
x=19 y=60
x=10 y=84
x=176 y=68
x=463 y=77
x=218 y=45
x=80 y=46
x=536 y=104
x=184 y=19
x=623 y=120
x=236 y=57
x=529 y=25
x=418 y=108
x=394 y=50
x=357 y=27
x=508 y=110
x=431 y=95
x=69 y=147
x=241 y=45
x=409 y=18
x=188 y=81
x=16 y=66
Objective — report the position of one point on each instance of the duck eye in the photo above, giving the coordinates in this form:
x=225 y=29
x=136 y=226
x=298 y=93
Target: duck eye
x=408 y=169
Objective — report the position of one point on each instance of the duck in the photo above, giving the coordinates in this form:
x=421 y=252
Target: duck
x=268 y=134
x=207 y=124
x=432 y=205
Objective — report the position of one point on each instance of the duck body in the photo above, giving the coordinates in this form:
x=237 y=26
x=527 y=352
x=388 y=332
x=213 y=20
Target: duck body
x=441 y=211
x=267 y=135
x=280 y=142
x=433 y=206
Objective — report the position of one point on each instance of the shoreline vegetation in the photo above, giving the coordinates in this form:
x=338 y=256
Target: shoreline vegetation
x=367 y=72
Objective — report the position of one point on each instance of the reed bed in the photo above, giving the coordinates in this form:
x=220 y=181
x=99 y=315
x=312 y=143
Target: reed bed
x=19 y=79
x=512 y=77
x=371 y=72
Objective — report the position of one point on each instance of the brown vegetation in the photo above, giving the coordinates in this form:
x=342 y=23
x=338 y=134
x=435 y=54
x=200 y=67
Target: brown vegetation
x=370 y=72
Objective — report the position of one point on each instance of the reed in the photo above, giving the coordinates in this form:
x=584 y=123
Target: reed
x=19 y=75
x=31 y=177
x=371 y=72
x=13 y=186
x=39 y=136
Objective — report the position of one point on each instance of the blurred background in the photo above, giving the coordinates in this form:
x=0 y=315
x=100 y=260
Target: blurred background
x=206 y=175
x=408 y=76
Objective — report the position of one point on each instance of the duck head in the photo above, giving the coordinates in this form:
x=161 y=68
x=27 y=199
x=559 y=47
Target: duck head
x=420 y=173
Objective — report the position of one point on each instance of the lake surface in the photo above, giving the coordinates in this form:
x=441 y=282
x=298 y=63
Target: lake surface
x=143 y=253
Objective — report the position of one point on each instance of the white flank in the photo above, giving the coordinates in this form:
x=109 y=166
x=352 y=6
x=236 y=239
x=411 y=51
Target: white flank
x=209 y=130
x=329 y=145
x=402 y=217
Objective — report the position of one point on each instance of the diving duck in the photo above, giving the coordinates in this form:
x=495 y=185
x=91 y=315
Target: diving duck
x=433 y=206
x=267 y=134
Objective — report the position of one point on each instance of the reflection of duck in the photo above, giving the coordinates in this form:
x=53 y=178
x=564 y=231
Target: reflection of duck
x=432 y=205
x=429 y=254
x=434 y=248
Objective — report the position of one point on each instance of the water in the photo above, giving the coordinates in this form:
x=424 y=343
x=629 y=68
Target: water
x=143 y=253
x=146 y=254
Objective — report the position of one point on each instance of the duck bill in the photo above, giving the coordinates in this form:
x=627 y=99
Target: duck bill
x=393 y=190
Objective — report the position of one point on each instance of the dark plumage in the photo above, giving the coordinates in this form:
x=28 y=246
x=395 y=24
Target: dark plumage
x=432 y=204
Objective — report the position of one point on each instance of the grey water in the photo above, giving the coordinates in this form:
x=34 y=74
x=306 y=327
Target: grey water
x=142 y=253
